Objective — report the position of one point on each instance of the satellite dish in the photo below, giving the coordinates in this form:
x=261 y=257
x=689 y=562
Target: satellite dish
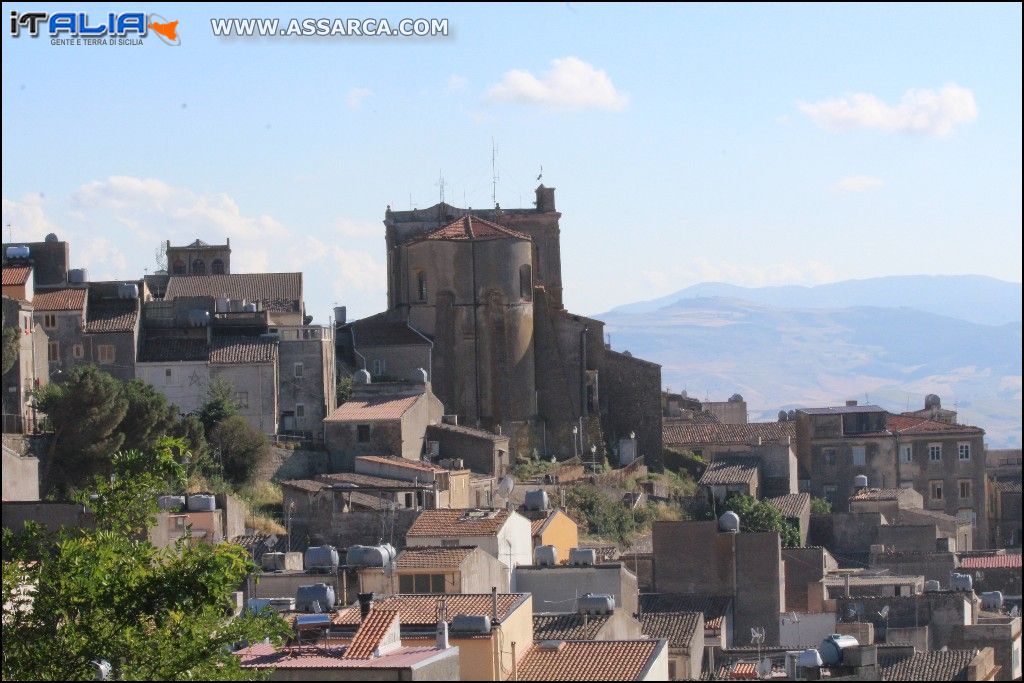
x=764 y=668
x=756 y=635
x=884 y=612
x=506 y=485
x=794 y=618
x=271 y=541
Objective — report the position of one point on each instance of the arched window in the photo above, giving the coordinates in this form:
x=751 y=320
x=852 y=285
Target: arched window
x=217 y=266
x=178 y=268
x=199 y=267
x=526 y=282
x=421 y=285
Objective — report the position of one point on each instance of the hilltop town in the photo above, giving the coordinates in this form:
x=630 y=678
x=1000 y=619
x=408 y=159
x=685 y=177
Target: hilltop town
x=471 y=484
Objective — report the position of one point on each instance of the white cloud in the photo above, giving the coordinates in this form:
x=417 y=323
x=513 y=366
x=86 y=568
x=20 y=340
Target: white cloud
x=570 y=84
x=697 y=270
x=919 y=111
x=350 y=228
x=455 y=83
x=27 y=218
x=356 y=96
x=858 y=183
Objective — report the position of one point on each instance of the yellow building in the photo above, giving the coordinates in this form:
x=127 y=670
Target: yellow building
x=557 y=529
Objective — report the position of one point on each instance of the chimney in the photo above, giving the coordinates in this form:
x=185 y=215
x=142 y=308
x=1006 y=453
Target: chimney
x=365 y=602
x=442 y=626
x=545 y=198
x=850 y=404
x=494 y=604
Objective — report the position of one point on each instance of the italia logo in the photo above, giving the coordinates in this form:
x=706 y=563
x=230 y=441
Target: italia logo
x=62 y=26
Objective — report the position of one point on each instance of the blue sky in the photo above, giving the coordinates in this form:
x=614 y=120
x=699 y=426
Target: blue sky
x=746 y=144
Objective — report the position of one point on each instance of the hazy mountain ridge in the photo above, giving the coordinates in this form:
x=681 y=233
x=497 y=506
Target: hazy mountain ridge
x=782 y=357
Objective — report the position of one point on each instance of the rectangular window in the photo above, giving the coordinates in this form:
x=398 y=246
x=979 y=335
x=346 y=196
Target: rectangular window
x=53 y=351
x=422 y=583
x=964 y=451
x=405 y=583
x=242 y=399
x=78 y=351
x=830 y=456
x=105 y=353
x=830 y=494
x=450 y=543
x=935 y=487
x=300 y=410
x=363 y=433
x=965 y=489
x=379 y=367
x=50 y=321
x=298 y=368
x=858 y=456
x=935 y=452
x=907 y=453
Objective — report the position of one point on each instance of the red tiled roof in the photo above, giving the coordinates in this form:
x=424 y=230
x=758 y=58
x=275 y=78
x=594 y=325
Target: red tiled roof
x=713 y=607
x=448 y=523
x=934 y=665
x=167 y=350
x=373 y=629
x=16 y=275
x=383 y=408
x=677 y=627
x=589 y=660
x=305 y=485
x=227 y=350
x=327 y=656
x=439 y=558
x=275 y=291
x=470 y=228
x=1007 y=486
x=67 y=299
x=692 y=433
x=111 y=315
x=908 y=425
x=730 y=470
x=402 y=463
x=421 y=610
x=367 y=480
x=744 y=671
x=380 y=330
x=567 y=626
x=998 y=561
x=791 y=505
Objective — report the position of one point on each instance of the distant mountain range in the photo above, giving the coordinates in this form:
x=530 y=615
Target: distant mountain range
x=887 y=340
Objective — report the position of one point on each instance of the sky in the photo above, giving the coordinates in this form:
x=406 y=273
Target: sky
x=755 y=144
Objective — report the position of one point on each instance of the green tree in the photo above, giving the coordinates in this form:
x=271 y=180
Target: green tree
x=148 y=417
x=84 y=595
x=344 y=389
x=84 y=412
x=820 y=506
x=12 y=341
x=220 y=404
x=243 y=448
x=757 y=515
x=603 y=516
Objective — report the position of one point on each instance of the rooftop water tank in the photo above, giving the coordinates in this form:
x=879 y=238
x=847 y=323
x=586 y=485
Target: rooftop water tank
x=992 y=600
x=832 y=648
x=198 y=317
x=960 y=582
x=537 y=500
x=340 y=315
x=128 y=290
x=250 y=307
x=51 y=237
x=595 y=603
x=583 y=556
x=471 y=623
x=319 y=593
x=272 y=562
x=809 y=659
x=361 y=377
x=19 y=251
x=282 y=604
x=222 y=304
x=78 y=276
x=202 y=502
x=860 y=481
x=932 y=586
x=321 y=558
x=257 y=605
x=545 y=556
x=730 y=522
x=418 y=376
x=370 y=555
x=171 y=502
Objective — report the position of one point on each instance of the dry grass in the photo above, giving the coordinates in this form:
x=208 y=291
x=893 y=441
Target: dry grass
x=263 y=524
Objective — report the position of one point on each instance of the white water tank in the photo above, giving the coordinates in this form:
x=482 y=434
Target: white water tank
x=860 y=481
x=19 y=251
x=321 y=558
x=472 y=623
x=992 y=600
x=960 y=582
x=583 y=556
x=370 y=555
x=319 y=593
x=128 y=290
x=176 y=503
x=729 y=522
x=932 y=586
x=202 y=502
x=595 y=603
x=537 y=501
x=78 y=276
x=545 y=556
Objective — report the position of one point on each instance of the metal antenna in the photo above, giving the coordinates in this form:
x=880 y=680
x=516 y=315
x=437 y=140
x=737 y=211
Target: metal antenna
x=494 y=173
x=440 y=185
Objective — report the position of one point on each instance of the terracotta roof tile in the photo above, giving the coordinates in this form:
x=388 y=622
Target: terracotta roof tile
x=791 y=505
x=1007 y=486
x=228 y=350
x=366 y=480
x=421 y=610
x=111 y=315
x=589 y=660
x=383 y=408
x=934 y=665
x=449 y=523
x=690 y=433
x=468 y=431
x=305 y=485
x=401 y=463
x=909 y=425
x=999 y=560
x=677 y=627
x=567 y=626
x=842 y=410
x=380 y=330
x=16 y=275
x=66 y=299
x=713 y=607
x=274 y=291
x=373 y=629
x=732 y=469
x=441 y=558
x=166 y=350
x=880 y=495
x=470 y=228
x=327 y=656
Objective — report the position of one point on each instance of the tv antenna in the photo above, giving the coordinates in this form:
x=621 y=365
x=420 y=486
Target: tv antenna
x=540 y=175
x=494 y=173
x=440 y=185
x=757 y=638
